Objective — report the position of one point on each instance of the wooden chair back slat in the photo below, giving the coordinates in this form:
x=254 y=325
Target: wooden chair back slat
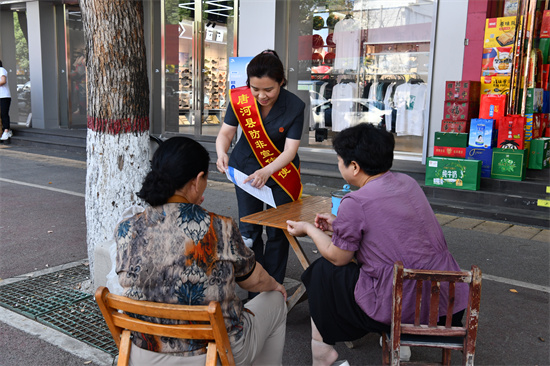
x=206 y=322
x=431 y=334
x=450 y=305
x=418 y=303
x=434 y=303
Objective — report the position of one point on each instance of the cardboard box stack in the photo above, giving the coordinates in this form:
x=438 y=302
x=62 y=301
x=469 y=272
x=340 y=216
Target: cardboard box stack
x=478 y=137
x=449 y=167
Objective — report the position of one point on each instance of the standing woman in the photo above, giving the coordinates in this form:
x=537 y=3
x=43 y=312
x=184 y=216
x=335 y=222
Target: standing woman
x=272 y=119
x=5 y=101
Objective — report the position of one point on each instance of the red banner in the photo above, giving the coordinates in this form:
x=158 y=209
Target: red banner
x=249 y=117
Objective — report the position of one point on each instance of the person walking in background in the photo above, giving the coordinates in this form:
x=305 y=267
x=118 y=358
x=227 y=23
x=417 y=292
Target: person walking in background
x=5 y=101
x=271 y=119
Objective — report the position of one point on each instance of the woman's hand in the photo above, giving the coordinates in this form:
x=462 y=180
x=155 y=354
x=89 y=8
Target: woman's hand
x=297 y=228
x=324 y=221
x=281 y=289
x=222 y=162
x=259 y=178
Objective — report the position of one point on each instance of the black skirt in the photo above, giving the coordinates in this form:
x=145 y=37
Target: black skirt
x=332 y=305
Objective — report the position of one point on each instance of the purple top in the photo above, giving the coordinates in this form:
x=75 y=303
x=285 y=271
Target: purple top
x=387 y=220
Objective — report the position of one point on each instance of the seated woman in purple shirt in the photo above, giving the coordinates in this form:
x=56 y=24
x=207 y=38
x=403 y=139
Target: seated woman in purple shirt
x=387 y=219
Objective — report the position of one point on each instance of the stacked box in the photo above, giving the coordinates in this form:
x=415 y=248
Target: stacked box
x=482 y=133
x=450 y=144
x=455 y=126
x=453 y=173
x=509 y=164
x=485 y=155
x=539 y=153
x=460 y=111
x=462 y=90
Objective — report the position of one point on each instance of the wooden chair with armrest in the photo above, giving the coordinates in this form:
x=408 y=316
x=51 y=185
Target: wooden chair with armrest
x=207 y=324
x=446 y=337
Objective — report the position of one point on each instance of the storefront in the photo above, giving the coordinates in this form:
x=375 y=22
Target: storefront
x=382 y=62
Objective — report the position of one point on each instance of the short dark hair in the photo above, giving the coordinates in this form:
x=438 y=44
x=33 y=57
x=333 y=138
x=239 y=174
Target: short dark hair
x=370 y=146
x=267 y=63
x=0 y=63
x=177 y=161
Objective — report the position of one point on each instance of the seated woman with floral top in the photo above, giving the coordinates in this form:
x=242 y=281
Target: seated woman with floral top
x=177 y=252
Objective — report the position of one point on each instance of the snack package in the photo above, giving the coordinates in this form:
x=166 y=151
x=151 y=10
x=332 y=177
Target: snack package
x=497 y=61
x=495 y=84
x=510 y=8
x=500 y=32
x=511 y=132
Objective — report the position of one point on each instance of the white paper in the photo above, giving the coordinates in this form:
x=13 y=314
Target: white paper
x=264 y=194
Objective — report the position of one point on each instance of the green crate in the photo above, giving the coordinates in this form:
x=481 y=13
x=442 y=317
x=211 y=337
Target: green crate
x=509 y=164
x=453 y=173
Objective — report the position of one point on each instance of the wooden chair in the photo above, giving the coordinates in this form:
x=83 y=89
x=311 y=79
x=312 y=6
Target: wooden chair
x=446 y=337
x=211 y=326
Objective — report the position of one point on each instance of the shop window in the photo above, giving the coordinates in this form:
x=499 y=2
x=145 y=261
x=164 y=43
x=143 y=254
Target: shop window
x=366 y=61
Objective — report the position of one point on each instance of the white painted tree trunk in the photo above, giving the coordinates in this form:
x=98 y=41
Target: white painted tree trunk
x=118 y=114
x=116 y=167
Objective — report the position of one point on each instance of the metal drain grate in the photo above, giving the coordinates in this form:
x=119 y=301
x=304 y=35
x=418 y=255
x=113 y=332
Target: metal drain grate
x=82 y=320
x=35 y=296
x=69 y=277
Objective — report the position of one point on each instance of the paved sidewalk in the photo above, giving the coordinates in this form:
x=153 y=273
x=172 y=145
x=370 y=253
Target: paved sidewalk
x=43 y=193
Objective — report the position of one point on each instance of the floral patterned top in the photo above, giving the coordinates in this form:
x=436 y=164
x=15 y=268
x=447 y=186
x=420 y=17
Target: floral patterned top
x=179 y=253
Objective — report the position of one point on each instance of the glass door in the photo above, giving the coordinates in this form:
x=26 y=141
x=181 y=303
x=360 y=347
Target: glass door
x=199 y=39
x=76 y=66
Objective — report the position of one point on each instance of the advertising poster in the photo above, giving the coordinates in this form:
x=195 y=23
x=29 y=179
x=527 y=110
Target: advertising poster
x=237 y=71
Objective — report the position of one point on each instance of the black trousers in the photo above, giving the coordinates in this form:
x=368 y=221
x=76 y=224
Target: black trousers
x=5 y=113
x=274 y=255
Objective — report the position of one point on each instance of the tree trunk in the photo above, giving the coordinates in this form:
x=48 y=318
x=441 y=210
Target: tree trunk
x=118 y=113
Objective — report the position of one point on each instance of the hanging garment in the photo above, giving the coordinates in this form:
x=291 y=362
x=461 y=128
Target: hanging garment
x=342 y=105
x=347 y=36
x=410 y=102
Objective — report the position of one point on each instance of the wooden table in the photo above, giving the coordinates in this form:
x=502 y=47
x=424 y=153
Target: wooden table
x=304 y=209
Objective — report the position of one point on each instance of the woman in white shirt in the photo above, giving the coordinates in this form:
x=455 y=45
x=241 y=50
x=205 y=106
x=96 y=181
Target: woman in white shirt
x=5 y=101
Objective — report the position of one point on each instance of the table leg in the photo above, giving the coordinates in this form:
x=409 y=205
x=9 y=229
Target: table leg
x=297 y=249
x=298 y=295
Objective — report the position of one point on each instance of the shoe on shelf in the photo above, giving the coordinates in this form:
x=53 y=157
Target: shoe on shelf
x=5 y=136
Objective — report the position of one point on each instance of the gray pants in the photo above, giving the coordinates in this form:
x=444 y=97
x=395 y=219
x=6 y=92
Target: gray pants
x=262 y=342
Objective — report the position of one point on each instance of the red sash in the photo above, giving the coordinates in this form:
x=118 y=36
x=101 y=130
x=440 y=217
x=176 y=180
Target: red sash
x=249 y=117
